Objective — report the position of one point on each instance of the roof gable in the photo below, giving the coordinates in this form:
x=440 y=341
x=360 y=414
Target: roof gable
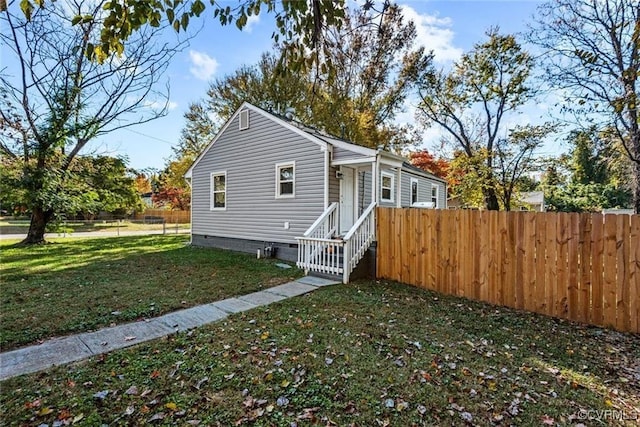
x=245 y=105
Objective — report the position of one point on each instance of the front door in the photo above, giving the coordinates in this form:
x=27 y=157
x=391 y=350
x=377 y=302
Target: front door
x=347 y=199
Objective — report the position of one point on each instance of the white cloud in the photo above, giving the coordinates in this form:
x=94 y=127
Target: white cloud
x=434 y=34
x=203 y=66
x=251 y=21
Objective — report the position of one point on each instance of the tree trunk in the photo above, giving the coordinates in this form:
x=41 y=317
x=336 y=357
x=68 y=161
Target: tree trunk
x=39 y=220
x=491 y=199
x=635 y=186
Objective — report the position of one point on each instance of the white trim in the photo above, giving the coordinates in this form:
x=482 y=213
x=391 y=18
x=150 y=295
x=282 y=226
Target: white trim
x=384 y=174
x=353 y=161
x=411 y=182
x=327 y=161
x=435 y=203
x=282 y=165
x=212 y=191
x=244 y=116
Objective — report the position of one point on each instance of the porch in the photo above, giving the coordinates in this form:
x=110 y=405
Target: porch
x=340 y=237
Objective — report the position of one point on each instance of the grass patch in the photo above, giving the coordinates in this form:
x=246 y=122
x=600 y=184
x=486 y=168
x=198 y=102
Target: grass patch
x=367 y=353
x=76 y=285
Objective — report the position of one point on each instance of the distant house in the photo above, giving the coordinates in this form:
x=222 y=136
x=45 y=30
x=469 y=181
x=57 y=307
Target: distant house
x=273 y=186
x=532 y=201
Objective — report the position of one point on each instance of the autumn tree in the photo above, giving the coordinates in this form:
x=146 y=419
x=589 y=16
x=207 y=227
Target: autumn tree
x=266 y=84
x=301 y=25
x=591 y=51
x=470 y=102
x=55 y=101
x=90 y=185
x=515 y=157
x=358 y=96
x=426 y=161
x=197 y=133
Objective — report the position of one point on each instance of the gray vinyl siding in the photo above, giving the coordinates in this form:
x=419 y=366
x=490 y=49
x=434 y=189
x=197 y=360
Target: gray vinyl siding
x=343 y=154
x=334 y=186
x=249 y=157
x=424 y=189
x=364 y=190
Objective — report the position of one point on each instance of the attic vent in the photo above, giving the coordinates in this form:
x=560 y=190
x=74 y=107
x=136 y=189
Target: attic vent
x=244 y=119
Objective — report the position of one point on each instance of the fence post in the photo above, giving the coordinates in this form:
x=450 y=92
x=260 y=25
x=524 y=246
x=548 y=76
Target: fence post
x=164 y=227
x=118 y=227
x=176 y=228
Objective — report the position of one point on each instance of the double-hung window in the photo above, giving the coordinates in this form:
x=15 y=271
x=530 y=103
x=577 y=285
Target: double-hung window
x=414 y=191
x=285 y=180
x=386 y=187
x=218 y=191
x=434 y=195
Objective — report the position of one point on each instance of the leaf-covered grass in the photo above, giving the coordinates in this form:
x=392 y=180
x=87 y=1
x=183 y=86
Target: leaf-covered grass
x=78 y=285
x=367 y=353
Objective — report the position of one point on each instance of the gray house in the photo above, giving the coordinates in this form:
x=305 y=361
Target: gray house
x=272 y=186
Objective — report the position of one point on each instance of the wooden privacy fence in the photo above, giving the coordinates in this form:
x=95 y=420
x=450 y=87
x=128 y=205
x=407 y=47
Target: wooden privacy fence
x=172 y=217
x=583 y=267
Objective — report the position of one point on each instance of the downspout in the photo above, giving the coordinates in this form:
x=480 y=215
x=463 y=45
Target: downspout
x=399 y=187
x=327 y=160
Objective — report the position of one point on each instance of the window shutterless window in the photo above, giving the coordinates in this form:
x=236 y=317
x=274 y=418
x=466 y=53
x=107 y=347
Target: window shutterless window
x=285 y=180
x=386 y=189
x=218 y=190
x=414 y=191
x=434 y=195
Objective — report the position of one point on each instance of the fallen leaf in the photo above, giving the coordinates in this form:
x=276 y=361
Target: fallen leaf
x=64 y=414
x=129 y=338
x=264 y=336
x=282 y=401
x=133 y=390
x=171 y=406
x=33 y=404
x=78 y=418
x=155 y=374
x=101 y=394
x=548 y=421
x=157 y=417
x=44 y=411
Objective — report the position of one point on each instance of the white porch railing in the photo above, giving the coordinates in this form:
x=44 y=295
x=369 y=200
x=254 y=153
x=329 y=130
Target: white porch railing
x=358 y=240
x=319 y=251
x=326 y=226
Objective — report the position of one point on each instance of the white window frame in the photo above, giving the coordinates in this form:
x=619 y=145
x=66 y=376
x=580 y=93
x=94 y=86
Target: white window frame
x=213 y=191
x=391 y=187
x=437 y=195
x=243 y=117
x=411 y=182
x=278 y=182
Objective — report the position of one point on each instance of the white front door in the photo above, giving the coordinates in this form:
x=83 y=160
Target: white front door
x=347 y=199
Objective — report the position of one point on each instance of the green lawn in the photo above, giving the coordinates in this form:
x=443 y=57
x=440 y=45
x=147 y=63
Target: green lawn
x=75 y=285
x=367 y=354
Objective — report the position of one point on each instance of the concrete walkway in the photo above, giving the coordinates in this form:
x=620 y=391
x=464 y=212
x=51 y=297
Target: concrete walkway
x=59 y=351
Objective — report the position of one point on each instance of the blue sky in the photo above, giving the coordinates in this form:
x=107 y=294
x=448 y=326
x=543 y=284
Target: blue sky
x=448 y=27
